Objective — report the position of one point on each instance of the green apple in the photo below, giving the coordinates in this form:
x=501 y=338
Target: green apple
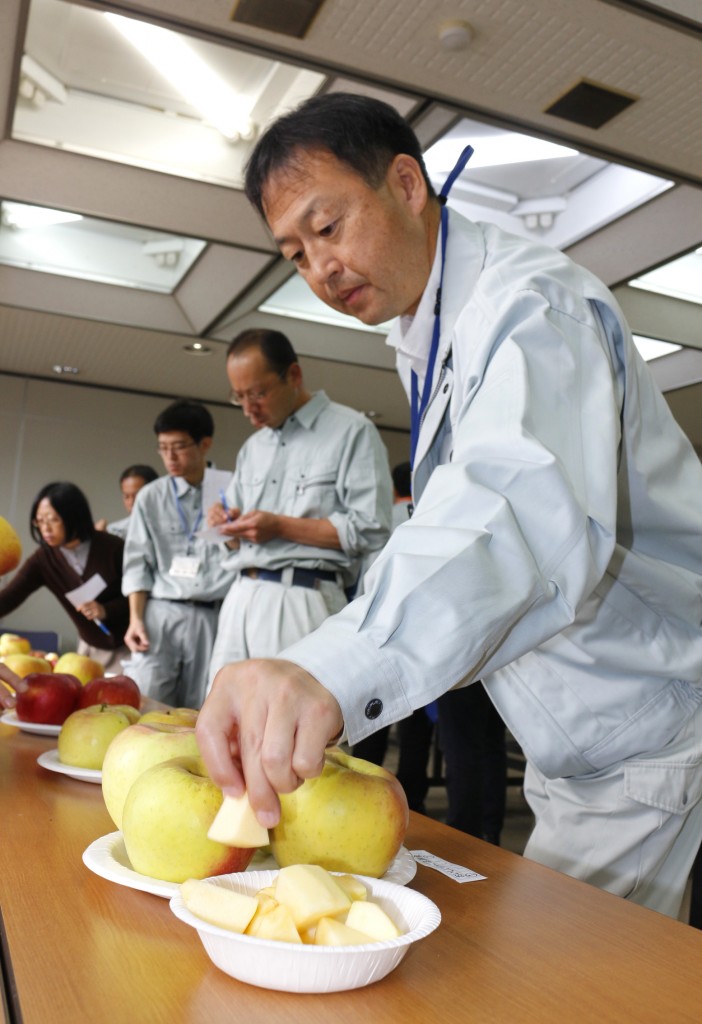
x=11 y=643
x=10 y=547
x=165 y=821
x=79 y=665
x=172 y=716
x=353 y=818
x=24 y=664
x=86 y=734
x=136 y=749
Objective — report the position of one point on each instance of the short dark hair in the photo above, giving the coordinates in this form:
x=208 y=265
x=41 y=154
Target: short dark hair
x=402 y=479
x=362 y=132
x=275 y=347
x=187 y=415
x=147 y=473
x=71 y=505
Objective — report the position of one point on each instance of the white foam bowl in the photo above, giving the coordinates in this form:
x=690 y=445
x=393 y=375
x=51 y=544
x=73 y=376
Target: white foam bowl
x=289 y=967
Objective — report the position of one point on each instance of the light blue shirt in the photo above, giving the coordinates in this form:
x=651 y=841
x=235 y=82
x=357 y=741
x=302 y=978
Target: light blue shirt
x=326 y=462
x=157 y=534
x=555 y=549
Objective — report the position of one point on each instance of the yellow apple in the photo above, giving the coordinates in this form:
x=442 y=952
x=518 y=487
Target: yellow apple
x=52 y=657
x=24 y=664
x=86 y=734
x=11 y=643
x=167 y=813
x=352 y=818
x=171 y=716
x=136 y=749
x=10 y=547
x=79 y=665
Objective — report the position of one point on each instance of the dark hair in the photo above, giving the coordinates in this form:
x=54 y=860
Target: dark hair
x=71 y=505
x=402 y=479
x=147 y=473
x=186 y=415
x=364 y=133
x=273 y=345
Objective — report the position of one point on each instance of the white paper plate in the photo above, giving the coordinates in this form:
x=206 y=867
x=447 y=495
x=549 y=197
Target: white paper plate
x=50 y=760
x=108 y=858
x=10 y=718
x=289 y=967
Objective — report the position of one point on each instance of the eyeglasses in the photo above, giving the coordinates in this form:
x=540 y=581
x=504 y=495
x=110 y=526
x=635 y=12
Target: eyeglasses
x=174 y=449
x=48 y=521
x=254 y=395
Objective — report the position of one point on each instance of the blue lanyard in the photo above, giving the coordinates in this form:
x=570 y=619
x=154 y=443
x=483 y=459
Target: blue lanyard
x=418 y=407
x=189 y=534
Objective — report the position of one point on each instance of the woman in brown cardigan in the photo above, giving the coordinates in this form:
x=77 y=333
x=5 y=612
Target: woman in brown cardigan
x=70 y=553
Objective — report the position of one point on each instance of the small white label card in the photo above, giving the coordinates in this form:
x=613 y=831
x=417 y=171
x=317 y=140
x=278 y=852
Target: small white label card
x=187 y=566
x=455 y=871
x=88 y=591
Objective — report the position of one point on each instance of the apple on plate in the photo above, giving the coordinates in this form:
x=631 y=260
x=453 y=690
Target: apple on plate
x=352 y=818
x=171 y=716
x=12 y=643
x=116 y=690
x=136 y=749
x=79 y=665
x=87 y=733
x=47 y=698
x=10 y=547
x=24 y=664
x=167 y=814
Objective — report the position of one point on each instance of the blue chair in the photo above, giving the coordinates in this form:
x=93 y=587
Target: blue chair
x=39 y=639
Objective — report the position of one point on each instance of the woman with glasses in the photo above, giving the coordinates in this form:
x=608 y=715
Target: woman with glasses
x=72 y=552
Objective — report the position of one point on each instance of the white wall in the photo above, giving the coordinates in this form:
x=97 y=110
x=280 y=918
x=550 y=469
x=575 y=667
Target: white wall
x=61 y=431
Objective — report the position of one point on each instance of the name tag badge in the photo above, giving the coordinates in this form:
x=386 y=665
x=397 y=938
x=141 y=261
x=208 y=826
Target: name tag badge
x=185 y=566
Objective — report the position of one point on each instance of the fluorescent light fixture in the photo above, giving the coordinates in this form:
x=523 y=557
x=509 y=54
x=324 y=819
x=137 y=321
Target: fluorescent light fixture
x=494 y=151
x=22 y=216
x=680 y=279
x=651 y=348
x=186 y=71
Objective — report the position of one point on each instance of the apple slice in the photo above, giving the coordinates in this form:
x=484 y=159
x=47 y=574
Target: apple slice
x=310 y=892
x=335 y=933
x=220 y=906
x=372 y=920
x=352 y=886
x=235 y=824
x=276 y=924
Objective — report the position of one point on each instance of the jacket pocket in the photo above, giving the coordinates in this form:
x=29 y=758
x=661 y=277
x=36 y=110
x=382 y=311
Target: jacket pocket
x=670 y=787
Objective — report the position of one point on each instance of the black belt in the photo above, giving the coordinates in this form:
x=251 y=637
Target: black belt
x=187 y=600
x=310 y=578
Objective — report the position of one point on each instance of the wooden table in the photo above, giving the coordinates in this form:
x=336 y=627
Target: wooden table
x=526 y=945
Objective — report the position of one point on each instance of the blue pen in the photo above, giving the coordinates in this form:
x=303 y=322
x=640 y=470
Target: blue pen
x=102 y=626
x=223 y=499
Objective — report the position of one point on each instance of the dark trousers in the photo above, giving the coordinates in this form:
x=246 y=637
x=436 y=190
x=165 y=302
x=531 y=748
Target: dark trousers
x=414 y=736
x=472 y=740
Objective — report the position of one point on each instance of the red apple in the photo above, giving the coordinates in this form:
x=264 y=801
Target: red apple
x=46 y=698
x=117 y=690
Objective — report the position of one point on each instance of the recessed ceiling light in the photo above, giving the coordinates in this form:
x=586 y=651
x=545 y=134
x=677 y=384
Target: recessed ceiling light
x=197 y=349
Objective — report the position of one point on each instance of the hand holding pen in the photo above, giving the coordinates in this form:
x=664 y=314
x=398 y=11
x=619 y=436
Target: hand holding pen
x=95 y=613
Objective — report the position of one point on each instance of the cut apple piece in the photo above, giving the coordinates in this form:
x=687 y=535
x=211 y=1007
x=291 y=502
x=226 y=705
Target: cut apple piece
x=352 y=886
x=235 y=824
x=220 y=906
x=276 y=924
x=335 y=933
x=372 y=920
x=310 y=892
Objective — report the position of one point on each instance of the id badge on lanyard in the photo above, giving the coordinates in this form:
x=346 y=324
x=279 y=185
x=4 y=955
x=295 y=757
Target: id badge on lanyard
x=185 y=566
x=418 y=407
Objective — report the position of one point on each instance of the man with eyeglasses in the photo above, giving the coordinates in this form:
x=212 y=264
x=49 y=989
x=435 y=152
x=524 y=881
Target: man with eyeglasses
x=175 y=580
x=309 y=499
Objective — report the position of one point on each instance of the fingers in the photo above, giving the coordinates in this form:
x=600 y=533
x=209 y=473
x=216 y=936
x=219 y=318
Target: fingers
x=265 y=726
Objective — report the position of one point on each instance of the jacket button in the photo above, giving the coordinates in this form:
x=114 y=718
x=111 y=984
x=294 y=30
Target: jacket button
x=374 y=708
x=446 y=387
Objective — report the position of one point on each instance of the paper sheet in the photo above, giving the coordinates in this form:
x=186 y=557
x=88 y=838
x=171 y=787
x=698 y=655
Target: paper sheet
x=88 y=591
